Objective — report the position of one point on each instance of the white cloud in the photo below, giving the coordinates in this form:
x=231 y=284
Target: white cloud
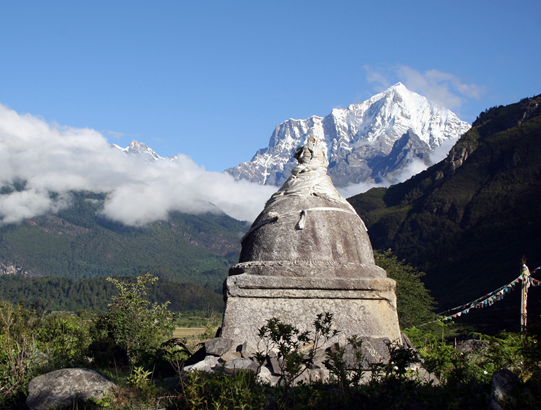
x=51 y=158
x=445 y=88
x=115 y=134
x=377 y=77
x=355 y=189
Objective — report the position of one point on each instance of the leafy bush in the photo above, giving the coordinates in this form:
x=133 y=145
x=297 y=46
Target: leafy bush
x=64 y=337
x=414 y=303
x=132 y=323
x=221 y=391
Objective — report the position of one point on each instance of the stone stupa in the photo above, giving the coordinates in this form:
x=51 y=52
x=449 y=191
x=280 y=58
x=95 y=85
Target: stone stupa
x=307 y=253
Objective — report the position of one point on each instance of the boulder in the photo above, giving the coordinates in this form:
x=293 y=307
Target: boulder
x=241 y=364
x=502 y=382
x=218 y=346
x=61 y=388
x=373 y=350
x=206 y=365
x=265 y=376
x=248 y=350
x=227 y=357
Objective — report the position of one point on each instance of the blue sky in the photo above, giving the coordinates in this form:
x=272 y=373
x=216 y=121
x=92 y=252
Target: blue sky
x=211 y=79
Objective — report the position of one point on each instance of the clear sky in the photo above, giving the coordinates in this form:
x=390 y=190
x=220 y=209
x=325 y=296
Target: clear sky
x=211 y=79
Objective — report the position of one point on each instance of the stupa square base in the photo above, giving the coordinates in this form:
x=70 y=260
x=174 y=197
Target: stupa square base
x=359 y=307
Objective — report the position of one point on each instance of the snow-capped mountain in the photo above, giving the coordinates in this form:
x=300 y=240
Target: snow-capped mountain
x=139 y=150
x=366 y=142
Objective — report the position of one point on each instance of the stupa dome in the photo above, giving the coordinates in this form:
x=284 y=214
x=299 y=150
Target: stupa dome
x=308 y=229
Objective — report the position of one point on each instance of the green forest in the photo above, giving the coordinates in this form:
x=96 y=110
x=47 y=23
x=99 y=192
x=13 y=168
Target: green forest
x=68 y=295
x=79 y=243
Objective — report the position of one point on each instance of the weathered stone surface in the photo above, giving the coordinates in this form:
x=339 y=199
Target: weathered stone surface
x=275 y=365
x=308 y=253
x=308 y=269
x=373 y=350
x=218 y=346
x=61 y=388
x=332 y=232
x=311 y=376
x=245 y=285
x=471 y=345
x=319 y=359
x=241 y=364
x=228 y=356
x=502 y=382
x=206 y=365
x=265 y=376
x=248 y=350
x=406 y=342
x=307 y=219
x=363 y=317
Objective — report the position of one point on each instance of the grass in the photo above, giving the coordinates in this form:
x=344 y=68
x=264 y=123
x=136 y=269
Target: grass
x=181 y=332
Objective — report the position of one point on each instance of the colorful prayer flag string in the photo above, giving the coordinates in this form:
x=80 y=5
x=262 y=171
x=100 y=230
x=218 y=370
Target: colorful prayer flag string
x=490 y=298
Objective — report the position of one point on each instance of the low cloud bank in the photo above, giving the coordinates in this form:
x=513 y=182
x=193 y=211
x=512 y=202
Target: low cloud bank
x=40 y=158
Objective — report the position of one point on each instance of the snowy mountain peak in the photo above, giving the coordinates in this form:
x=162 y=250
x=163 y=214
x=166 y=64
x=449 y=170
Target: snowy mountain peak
x=360 y=138
x=140 y=150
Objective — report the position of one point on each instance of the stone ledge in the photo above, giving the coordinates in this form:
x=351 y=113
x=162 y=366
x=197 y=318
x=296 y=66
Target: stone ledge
x=245 y=283
x=310 y=294
x=308 y=268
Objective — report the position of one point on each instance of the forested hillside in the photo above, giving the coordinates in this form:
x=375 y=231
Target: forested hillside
x=64 y=294
x=78 y=243
x=468 y=220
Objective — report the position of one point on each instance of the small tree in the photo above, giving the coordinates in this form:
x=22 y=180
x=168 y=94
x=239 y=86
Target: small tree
x=414 y=301
x=288 y=342
x=133 y=323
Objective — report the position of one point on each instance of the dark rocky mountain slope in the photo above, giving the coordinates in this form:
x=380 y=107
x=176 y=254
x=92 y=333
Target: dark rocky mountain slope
x=468 y=220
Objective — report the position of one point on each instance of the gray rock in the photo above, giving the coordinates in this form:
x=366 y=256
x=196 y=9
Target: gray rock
x=373 y=350
x=471 y=345
x=218 y=346
x=241 y=364
x=265 y=376
x=61 y=388
x=311 y=376
x=406 y=342
x=275 y=363
x=502 y=382
x=206 y=365
x=226 y=357
x=248 y=350
x=196 y=357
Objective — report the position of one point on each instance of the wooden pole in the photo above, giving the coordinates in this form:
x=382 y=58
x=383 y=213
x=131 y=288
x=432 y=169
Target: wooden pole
x=525 y=277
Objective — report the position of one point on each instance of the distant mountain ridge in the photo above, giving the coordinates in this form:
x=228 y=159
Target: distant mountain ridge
x=366 y=142
x=79 y=243
x=468 y=220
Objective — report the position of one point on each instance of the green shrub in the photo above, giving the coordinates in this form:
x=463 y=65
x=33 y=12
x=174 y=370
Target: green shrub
x=132 y=325
x=221 y=391
x=20 y=358
x=64 y=338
